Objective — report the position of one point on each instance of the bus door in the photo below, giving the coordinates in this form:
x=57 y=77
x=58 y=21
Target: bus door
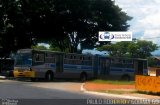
x=104 y=66
x=138 y=65
x=59 y=63
x=95 y=66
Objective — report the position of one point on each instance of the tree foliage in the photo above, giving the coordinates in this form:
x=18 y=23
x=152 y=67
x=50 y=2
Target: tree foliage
x=138 y=49
x=62 y=23
x=39 y=47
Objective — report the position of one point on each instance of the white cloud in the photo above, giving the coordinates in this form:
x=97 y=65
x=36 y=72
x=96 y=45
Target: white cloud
x=151 y=22
x=146 y=18
x=44 y=44
x=151 y=35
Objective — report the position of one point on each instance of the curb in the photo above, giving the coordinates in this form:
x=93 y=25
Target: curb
x=108 y=94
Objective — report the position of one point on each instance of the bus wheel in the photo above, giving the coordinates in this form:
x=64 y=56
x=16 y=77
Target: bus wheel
x=125 y=78
x=33 y=79
x=83 y=77
x=49 y=76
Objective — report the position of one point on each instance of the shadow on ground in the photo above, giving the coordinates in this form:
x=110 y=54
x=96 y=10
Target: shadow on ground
x=43 y=80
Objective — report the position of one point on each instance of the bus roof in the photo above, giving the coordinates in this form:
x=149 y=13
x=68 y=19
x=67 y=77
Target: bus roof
x=29 y=50
x=122 y=58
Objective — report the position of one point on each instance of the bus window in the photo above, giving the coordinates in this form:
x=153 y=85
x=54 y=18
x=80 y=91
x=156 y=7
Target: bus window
x=23 y=59
x=118 y=65
x=81 y=58
x=49 y=58
x=38 y=58
x=129 y=65
x=71 y=57
x=116 y=60
x=128 y=61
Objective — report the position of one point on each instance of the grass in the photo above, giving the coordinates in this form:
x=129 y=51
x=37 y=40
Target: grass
x=118 y=91
x=116 y=82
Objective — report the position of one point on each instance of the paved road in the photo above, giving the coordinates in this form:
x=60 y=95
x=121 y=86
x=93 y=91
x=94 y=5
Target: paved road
x=48 y=93
x=44 y=93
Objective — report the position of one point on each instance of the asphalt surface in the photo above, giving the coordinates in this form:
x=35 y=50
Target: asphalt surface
x=14 y=92
x=27 y=93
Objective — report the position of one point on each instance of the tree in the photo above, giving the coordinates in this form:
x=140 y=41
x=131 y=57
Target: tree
x=14 y=30
x=63 y=23
x=118 y=49
x=145 y=48
x=138 y=49
x=39 y=47
x=86 y=17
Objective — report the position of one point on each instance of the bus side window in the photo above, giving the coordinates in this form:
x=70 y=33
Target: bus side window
x=81 y=58
x=71 y=57
x=38 y=57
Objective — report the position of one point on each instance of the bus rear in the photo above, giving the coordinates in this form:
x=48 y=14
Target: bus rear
x=6 y=67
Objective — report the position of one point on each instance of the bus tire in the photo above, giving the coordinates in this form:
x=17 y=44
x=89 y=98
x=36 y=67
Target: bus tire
x=49 y=76
x=83 y=77
x=33 y=79
x=125 y=78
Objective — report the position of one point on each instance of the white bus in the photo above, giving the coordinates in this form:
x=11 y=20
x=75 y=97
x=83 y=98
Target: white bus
x=121 y=68
x=49 y=65
x=36 y=64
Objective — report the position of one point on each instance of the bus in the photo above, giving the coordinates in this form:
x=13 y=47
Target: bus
x=122 y=68
x=6 y=67
x=36 y=64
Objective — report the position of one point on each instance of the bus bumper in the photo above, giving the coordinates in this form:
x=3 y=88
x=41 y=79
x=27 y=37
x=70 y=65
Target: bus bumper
x=26 y=74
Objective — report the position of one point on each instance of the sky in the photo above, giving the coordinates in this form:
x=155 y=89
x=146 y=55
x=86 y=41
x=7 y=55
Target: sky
x=43 y=44
x=145 y=24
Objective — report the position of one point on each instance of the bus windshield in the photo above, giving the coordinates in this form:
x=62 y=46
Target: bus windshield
x=23 y=59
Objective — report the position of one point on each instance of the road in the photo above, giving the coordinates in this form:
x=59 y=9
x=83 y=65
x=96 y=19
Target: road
x=42 y=93
x=14 y=92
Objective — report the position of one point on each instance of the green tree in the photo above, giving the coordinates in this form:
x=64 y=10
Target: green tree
x=63 y=23
x=145 y=48
x=84 y=18
x=138 y=49
x=133 y=49
x=152 y=62
x=118 y=49
x=39 y=47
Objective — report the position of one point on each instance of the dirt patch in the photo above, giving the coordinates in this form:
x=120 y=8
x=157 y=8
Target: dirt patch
x=126 y=90
x=99 y=87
